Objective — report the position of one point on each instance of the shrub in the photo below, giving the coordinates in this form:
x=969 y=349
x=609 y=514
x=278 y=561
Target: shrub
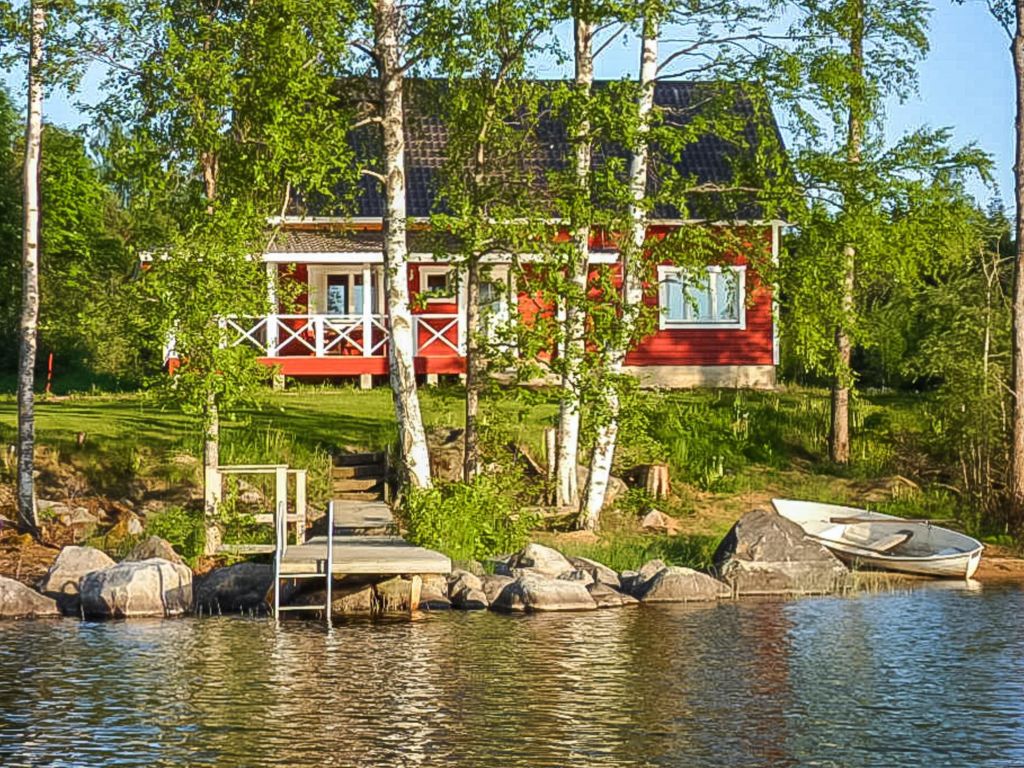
x=466 y=520
x=183 y=528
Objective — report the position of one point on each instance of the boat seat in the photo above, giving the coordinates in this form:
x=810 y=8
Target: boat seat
x=888 y=543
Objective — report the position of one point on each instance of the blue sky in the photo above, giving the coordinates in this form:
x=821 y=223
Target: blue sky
x=966 y=84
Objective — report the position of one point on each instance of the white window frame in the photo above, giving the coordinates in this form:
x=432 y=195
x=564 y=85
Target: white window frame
x=435 y=269
x=503 y=315
x=740 y=324
x=317 y=286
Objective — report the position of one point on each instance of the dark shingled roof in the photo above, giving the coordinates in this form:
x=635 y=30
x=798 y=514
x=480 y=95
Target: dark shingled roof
x=708 y=160
x=352 y=241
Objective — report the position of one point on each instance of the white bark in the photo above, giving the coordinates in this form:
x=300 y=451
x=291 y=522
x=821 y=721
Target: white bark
x=29 y=324
x=632 y=281
x=574 y=348
x=401 y=347
x=211 y=474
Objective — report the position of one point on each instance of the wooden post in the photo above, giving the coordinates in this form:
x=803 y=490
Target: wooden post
x=281 y=492
x=367 y=308
x=300 y=506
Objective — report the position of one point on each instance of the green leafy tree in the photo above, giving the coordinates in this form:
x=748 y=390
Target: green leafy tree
x=218 y=111
x=863 y=195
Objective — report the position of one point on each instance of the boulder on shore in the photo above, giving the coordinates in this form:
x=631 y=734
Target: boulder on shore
x=600 y=572
x=152 y=547
x=767 y=554
x=134 y=589
x=681 y=585
x=632 y=582
x=493 y=584
x=541 y=560
x=20 y=602
x=536 y=593
x=238 y=587
x=61 y=581
x=606 y=597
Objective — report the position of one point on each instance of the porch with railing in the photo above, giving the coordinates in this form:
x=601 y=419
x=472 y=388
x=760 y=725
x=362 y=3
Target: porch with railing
x=332 y=336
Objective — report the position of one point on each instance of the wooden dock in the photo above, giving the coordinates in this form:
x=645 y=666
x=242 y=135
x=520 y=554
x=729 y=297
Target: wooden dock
x=382 y=555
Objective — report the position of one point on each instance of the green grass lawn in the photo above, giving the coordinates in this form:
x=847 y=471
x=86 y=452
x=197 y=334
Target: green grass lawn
x=728 y=451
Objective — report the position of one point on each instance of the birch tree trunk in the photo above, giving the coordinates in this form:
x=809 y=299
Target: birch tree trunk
x=566 y=490
x=839 y=433
x=211 y=474
x=632 y=285
x=29 y=324
x=1017 y=442
x=474 y=372
x=401 y=349
x=212 y=489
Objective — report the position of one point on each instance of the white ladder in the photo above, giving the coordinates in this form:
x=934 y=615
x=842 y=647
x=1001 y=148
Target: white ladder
x=281 y=545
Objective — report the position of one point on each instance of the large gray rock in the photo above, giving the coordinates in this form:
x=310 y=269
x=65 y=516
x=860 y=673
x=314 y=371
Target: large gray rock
x=580 y=575
x=152 y=547
x=61 y=581
x=682 y=585
x=606 y=597
x=536 y=593
x=633 y=582
x=493 y=584
x=19 y=602
x=767 y=554
x=133 y=589
x=470 y=600
x=600 y=572
x=239 y=587
x=460 y=580
x=540 y=560
x=432 y=599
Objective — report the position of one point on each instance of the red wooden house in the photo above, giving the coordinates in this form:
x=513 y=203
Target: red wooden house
x=717 y=328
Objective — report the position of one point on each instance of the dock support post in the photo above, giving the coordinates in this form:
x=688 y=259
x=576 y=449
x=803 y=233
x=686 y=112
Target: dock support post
x=330 y=564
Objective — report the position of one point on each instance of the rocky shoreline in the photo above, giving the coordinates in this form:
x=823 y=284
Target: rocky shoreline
x=763 y=554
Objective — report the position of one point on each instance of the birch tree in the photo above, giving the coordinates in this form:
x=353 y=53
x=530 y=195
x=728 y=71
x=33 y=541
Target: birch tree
x=29 y=324
x=389 y=29
x=573 y=349
x=718 y=45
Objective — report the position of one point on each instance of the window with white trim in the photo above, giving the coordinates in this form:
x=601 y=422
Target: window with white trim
x=339 y=290
x=709 y=298
x=437 y=284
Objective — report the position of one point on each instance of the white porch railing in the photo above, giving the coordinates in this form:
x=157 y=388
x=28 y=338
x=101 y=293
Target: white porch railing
x=321 y=335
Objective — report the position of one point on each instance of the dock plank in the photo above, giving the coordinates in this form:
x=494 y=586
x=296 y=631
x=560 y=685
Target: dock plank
x=362 y=514
x=374 y=555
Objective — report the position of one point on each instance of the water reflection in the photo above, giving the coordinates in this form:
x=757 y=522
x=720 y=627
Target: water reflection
x=928 y=677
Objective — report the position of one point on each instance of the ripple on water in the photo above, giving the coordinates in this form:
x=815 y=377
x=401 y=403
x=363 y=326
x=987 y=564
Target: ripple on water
x=929 y=677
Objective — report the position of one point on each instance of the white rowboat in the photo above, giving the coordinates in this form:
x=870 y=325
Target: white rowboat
x=871 y=539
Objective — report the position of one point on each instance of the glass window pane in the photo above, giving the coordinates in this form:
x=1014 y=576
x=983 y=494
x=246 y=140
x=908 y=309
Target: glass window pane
x=727 y=296
x=698 y=298
x=337 y=294
x=673 y=292
x=357 y=296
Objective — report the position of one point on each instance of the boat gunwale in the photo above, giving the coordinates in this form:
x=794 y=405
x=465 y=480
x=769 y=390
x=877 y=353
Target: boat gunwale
x=867 y=553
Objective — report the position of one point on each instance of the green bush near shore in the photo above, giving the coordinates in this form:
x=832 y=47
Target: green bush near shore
x=467 y=521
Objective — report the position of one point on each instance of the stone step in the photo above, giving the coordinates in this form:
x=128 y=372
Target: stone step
x=357 y=495
x=358 y=470
x=355 y=459
x=355 y=484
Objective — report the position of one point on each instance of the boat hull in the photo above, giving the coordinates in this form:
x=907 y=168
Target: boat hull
x=859 y=537
x=958 y=566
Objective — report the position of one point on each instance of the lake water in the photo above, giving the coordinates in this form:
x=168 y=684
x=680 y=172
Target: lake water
x=924 y=678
